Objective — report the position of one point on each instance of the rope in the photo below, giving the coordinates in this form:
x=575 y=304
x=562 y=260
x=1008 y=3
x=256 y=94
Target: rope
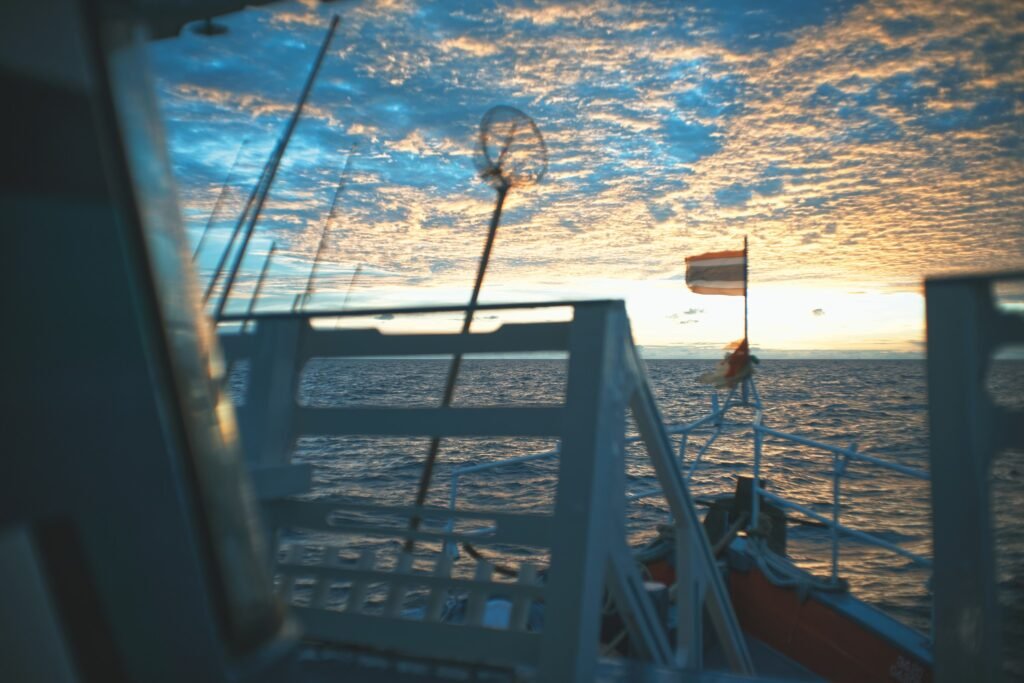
x=785 y=574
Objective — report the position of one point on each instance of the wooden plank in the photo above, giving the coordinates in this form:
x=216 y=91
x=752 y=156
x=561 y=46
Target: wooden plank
x=509 y=338
x=441 y=422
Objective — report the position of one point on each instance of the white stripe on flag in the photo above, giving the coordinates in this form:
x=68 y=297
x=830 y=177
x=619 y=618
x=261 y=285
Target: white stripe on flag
x=714 y=262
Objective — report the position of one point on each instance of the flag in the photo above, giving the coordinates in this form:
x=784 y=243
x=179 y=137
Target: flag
x=717 y=272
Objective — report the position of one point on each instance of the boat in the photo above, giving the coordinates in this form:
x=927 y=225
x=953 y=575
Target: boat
x=146 y=522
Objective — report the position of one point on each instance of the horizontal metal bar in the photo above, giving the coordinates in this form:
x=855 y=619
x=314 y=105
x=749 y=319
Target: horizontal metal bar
x=685 y=428
x=468 y=469
x=860 y=535
x=440 y=422
x=645 y=493
x=839 y=450
x=414 y=310
x=344 y=573
x=510 y=338
x=315 y=515
x=436 y=640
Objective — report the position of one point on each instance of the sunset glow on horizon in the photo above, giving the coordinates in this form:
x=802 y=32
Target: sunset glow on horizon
x=860 y=146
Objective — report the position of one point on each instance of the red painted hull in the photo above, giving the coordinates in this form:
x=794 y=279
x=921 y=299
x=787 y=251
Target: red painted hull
x=819 y=636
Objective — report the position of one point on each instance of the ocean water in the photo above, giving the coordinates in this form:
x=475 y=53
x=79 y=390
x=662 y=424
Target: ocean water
x=878 y=406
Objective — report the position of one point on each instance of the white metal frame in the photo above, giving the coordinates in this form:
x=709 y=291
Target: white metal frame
x=586 y=533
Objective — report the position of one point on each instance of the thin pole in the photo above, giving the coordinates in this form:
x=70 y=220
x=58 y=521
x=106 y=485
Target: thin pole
x=271 y=171
x=234 y=235
x=745 y=289
x=259 y=285
x=308 y=291
x=216 y=204
x=348 y=292
x=453 y=369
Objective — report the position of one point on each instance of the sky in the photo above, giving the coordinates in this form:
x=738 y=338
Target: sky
x=859 y=146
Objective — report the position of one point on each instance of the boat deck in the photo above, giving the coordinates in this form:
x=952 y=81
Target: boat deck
x=329 y=664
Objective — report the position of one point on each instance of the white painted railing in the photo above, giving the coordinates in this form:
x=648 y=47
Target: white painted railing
x=344 y=593
x=717 y=424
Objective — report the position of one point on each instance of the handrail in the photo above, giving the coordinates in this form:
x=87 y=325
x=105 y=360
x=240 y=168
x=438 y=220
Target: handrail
x=407 y=310
x=841 y=456
x=846 y=452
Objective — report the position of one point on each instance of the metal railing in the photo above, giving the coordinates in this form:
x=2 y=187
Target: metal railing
x=585 y=533
x=841 y=457
x=746 y=395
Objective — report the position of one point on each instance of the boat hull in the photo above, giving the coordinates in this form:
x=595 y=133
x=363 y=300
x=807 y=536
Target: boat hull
x=834 y=636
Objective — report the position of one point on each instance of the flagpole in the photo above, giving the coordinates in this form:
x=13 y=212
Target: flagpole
x=745 y=288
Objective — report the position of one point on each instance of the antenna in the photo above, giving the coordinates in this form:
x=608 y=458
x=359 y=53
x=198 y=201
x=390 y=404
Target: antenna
x=510 y=153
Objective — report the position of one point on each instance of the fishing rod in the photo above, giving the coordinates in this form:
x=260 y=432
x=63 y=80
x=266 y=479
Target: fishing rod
x=308 y=291
x=348 y=292
x=216 y=205
x=511 y=153
x=270 y=171
x=246 y=208
x=259 y=286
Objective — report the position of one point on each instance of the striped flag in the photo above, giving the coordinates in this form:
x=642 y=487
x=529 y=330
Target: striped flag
x=717 y=272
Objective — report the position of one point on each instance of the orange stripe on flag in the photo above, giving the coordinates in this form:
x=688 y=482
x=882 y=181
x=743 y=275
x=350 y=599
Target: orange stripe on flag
x=715 y=255
x=728 y=291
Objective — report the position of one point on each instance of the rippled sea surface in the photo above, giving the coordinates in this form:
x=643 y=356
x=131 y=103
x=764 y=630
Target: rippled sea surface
x=880 y=407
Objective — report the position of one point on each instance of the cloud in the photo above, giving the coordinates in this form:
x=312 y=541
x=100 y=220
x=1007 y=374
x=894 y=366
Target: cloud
x=877 y=140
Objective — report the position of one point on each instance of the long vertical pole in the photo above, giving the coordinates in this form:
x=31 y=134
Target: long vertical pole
x=745 y=288
x=275 y=161
x=453 y=370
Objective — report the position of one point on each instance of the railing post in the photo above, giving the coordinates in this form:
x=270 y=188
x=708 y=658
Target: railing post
x=838 y=469
x=266 y=420
x=592 y=448
x=966 y=431
x=755 y=487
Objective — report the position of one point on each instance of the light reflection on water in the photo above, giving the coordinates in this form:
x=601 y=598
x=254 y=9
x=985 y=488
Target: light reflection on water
x=878 y=405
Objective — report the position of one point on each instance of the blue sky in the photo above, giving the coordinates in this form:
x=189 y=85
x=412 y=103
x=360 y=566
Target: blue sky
x=859 y=145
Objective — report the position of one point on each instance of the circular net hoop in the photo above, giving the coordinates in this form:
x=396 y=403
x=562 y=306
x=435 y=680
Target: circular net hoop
x=511 y=150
